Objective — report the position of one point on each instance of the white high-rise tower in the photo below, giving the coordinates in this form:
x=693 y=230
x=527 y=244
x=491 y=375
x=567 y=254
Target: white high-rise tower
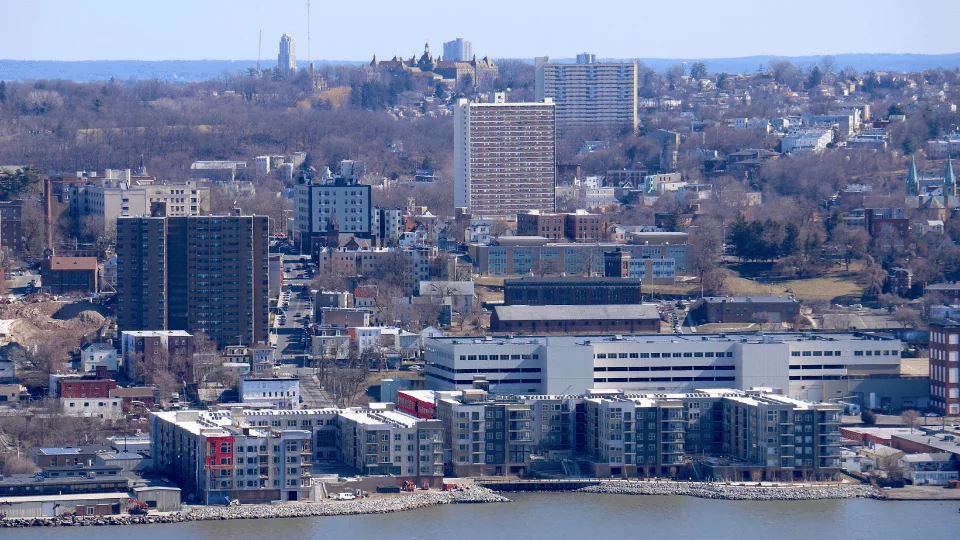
x=287 y=59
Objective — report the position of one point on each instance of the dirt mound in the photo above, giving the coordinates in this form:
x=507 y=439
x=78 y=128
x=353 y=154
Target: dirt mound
x=54 y=321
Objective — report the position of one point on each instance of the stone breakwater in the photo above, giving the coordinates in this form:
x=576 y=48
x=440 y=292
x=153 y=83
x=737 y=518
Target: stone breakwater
x=737 y=492
x=397 y=503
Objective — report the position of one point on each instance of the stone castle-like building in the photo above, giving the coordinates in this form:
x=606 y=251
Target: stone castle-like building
x=438 y=68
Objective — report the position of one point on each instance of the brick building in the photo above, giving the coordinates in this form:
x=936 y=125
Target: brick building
x=579 y=226
x=66 y=275
x=85 y=387
x=11 y=225
x=627 y=319
x=199 y=274
x=945 y=367
x=736 y=309
x=535 y=291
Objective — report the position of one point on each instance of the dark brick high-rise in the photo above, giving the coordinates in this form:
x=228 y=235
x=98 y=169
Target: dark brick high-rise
x=200 y=274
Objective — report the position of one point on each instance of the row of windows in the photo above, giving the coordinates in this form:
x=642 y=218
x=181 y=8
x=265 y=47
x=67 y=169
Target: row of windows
x=707 y=354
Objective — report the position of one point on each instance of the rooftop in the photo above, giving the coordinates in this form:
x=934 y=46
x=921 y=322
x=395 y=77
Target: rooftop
x=751 y=299
x=753 y=337
x=577 y=313
x=572 y=280
x=73 y=263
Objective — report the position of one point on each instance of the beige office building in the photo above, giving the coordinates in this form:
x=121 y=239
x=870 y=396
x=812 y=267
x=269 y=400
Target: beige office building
x=589 y=92
x=505 y=157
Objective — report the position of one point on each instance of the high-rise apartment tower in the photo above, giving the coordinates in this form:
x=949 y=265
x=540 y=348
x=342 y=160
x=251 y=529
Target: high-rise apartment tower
x=505 y=157
x=199 y=274
x=589 y=92
x=458 y=50
x=287 y=59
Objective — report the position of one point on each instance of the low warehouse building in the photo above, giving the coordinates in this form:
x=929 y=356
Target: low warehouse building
x=159 y=498
x=567 y=320
x=46 y=506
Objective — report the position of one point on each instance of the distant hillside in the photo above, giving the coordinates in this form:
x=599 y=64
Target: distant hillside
x=860 y=62
x=198 y=70
x=103 y=70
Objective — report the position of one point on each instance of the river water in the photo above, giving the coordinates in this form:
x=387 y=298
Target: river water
x=574 y=516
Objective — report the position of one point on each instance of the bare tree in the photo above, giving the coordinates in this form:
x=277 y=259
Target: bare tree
x=348 y=383
x=206 y=357
x=910 y=418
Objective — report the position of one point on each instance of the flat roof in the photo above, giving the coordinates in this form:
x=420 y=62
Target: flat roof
x=422 y=395
x=572 y=280
x=754 y=337
x=577 y=313
x=156 y=333
x=71 y=497
x=751 y=299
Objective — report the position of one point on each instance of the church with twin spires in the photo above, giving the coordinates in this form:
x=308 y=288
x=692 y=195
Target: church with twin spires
x=933 y=194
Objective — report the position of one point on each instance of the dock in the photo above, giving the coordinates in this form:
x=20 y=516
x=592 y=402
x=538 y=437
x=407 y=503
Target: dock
x=507 y=486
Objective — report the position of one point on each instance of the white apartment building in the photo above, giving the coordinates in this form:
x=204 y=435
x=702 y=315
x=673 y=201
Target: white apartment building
x=588 y=92
x=110 y=199
x=92 y=407
x=276 y=392
x=813 y=140
x=505 y=157
x=812 y=367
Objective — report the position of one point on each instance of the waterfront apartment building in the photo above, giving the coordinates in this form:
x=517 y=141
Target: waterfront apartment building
x=518 y=257
x=254 y=456
x=806 y=366
x=199 y=274
x=505 y=157
x=486 y=436
x=589 y=93
x=945 y=367
x=392 y=443
x=748 y=435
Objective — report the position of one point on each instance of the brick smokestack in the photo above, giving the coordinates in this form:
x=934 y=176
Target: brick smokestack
x=48 y=214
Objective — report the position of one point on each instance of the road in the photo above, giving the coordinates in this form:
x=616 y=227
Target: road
x=289 y=333
x=294 y=351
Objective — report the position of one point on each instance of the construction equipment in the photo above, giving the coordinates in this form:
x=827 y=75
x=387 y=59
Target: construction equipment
x=408 y=486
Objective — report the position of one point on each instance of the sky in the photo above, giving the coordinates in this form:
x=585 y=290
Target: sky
x=356 y=30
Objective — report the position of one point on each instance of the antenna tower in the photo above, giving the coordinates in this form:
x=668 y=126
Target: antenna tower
x=308 y=31
x=259 y=51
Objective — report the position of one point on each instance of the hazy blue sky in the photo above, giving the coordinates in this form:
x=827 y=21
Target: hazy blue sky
x=355 y=30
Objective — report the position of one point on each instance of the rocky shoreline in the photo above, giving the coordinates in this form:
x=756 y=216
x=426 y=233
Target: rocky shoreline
x=736 y=492
x=384 y=505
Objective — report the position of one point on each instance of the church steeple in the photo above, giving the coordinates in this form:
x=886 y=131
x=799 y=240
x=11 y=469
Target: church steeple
x=913 y=183
x=949 y=180
x=142 y=170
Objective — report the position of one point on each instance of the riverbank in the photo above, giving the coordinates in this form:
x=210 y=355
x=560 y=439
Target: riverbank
x=737 y=492
x=376 y=505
